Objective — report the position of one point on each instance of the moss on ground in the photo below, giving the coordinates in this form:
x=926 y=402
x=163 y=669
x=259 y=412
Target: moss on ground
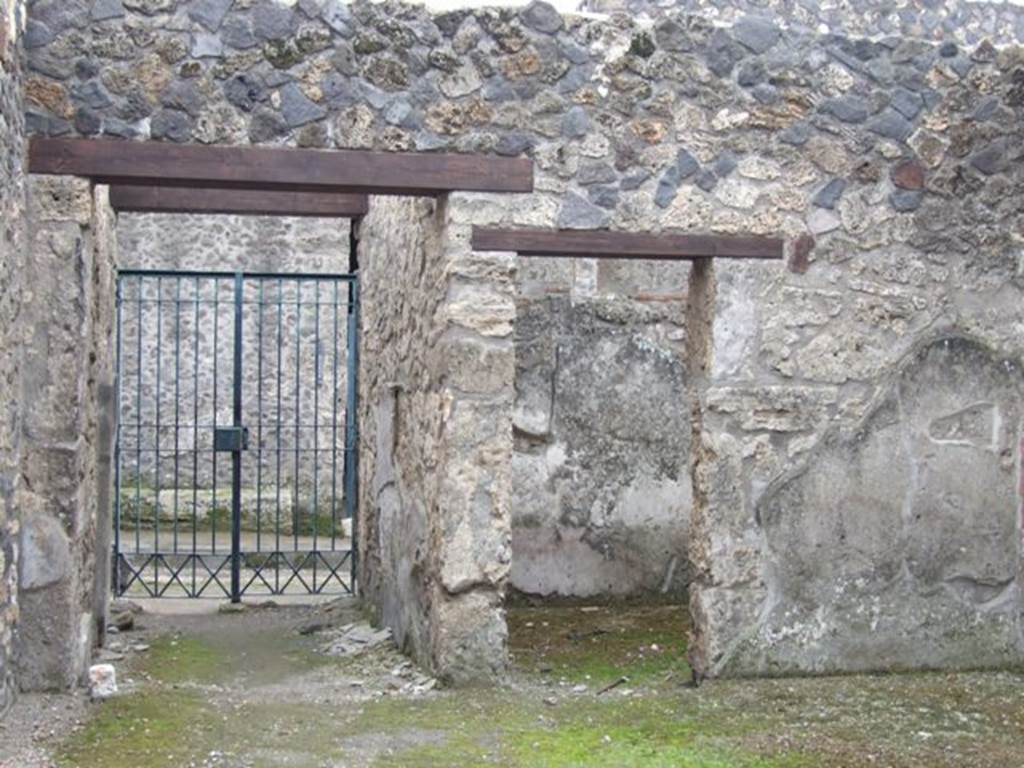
x=249 y=687
x=506 y=729
x=597 y=645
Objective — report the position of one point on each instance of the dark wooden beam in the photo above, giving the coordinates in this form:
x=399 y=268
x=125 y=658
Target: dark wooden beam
x=148 y=199
x=624 y=245
x=264 y=168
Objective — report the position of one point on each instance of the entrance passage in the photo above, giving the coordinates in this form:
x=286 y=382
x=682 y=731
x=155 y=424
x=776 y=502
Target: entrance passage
x=236 y=463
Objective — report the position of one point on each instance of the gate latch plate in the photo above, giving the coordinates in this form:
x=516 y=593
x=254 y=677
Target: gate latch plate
x=230 y=439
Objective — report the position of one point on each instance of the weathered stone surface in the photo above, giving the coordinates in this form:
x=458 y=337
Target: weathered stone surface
x=578 y=213
x=14 y=282
x=904 y=532
x=756 y=33
x=209 y=13
x=297 y=109
x=437 y=436
x=890 y=261
x=829 y=195
x=68 y=365
x=600 y=483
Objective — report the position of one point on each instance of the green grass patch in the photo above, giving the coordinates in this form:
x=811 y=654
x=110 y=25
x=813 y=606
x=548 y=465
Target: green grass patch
x=157 y=728
x=598 y=645
x=484 y=728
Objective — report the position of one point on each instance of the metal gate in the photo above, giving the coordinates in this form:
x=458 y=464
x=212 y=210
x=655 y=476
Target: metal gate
x=236 y=463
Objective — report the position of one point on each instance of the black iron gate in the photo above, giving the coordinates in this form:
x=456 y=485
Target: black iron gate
x=236 y=462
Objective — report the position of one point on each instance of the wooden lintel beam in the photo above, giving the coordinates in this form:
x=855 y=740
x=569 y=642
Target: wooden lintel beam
x=624 y=245
x=265 y=168
x=150 y=199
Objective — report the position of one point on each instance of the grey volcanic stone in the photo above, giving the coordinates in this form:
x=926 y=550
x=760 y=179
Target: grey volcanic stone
x=722 y=53
x=171 y=124
x=206 y=45
x=183 y=95
x=751 y=73
x=337 y=16
x=796 y=135
x=671 y=36
x=542 y=17
x=576 y=123
x=106 y=9
x=992 y=159
x=236 y=31
x=266 y=125
x=245 y=91
x=892 y=125
x=756 y=33
x=297 y=109
x=829 y=195
x=724 y=164
x=512 y=144
x=634 y=179
x=906 y=200
x=595 y=173
x=685 y=166
x=37 y=34
x=604 y=195
x=706 y=180
x=907 y=103
x=849 y=109
x=578 y=213
x=90 y=94
x=209 y=13
x=272 y=21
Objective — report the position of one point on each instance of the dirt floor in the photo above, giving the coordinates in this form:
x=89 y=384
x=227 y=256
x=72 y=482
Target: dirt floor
x=593 y=686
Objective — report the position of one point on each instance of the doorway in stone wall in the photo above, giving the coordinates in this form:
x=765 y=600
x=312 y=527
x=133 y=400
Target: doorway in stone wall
x=236 y=451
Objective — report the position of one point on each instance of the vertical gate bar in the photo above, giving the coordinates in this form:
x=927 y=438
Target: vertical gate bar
x=316 y=422
x=298 y=409
x=277 y=430
x=334 y=426
x=138 y=422
x=213 y=493
x=156 y=460
x=177 y=398
x=351 y=425
x=195 y=437
x=236 y=455
x=259 y=422
x=116 y=568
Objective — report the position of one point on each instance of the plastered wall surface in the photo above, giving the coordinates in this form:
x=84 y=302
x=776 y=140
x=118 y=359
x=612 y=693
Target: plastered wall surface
x=890 y=166
x=601 y=470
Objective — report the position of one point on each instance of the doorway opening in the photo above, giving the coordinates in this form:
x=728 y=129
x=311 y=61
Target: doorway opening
x=236 y=452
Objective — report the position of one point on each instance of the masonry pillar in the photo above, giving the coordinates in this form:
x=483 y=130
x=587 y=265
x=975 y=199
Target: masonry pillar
x=67 y=371
x=436 y=389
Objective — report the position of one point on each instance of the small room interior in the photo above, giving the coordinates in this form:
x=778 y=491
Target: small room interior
x=601 y=489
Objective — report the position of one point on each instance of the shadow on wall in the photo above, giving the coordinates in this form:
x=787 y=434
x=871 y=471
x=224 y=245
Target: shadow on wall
x=899 y=546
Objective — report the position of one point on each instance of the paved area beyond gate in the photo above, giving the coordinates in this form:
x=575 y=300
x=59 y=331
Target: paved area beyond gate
x=236 y=465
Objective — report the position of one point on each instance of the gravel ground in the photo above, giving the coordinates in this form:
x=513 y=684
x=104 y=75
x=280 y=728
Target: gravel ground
x=594 y=686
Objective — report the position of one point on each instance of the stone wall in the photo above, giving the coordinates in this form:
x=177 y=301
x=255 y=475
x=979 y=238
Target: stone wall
x=67 y=380
x=601 y=477
x=890 y=165
x=12 y=277
x=436 y=439
x=967 y=22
